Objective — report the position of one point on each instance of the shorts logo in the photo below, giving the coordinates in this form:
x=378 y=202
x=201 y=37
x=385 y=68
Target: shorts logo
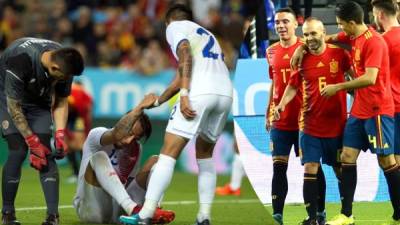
x=5 y=124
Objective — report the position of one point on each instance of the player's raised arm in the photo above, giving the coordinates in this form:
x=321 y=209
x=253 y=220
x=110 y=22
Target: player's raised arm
x=124 y=126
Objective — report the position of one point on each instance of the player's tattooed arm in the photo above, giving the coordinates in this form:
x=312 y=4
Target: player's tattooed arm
x=123 y=128
x=185 y=63
x=18 y=117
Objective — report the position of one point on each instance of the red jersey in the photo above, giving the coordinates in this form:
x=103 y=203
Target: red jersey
x=370 y=50
x=278 y=58
x=392 y=38
x=321 y=116
x=81 y=102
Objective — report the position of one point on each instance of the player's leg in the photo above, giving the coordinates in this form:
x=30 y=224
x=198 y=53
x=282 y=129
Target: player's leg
x=108 y=179
x=311 y=149
x=137 y=191
x=321 y=214
x=397 y=137
x=211 y=128
x=93 y=204
x=381 y=133
x=354 y=139
x=331 y=149
x=233 y=187
x=281 y=143
x=17 y=151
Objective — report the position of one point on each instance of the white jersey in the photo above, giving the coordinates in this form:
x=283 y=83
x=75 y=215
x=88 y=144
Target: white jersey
x=209 y=72
x=91 y=146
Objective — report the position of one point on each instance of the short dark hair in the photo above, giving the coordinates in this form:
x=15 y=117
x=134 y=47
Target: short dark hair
x=69 y=60
x=286 y=10
x=389 y=7
x=350 y=11
x=179 y=12
x=146 y=125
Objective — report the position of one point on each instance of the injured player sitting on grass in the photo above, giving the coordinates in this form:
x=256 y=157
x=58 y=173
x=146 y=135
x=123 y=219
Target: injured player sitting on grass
x=110 y=183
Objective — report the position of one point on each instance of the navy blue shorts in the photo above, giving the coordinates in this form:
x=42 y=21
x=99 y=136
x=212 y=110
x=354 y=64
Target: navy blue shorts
x=281 y=141
x=316 y=149
x=397 y=134
x=375 y=134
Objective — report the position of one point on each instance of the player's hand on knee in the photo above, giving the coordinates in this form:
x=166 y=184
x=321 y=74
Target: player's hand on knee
x=60 y=145
x=38 y=152
x=186 y=109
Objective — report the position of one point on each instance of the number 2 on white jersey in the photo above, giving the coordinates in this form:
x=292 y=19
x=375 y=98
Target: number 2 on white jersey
x=210 y=44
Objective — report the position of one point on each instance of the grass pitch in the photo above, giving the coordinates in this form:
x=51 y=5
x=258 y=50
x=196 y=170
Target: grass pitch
x=180 y=197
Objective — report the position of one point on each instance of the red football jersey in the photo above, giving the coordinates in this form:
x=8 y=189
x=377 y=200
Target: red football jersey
x=278 y=58
x=392 y=38
x=80 y=101
x=370 y=50
x=321 y=116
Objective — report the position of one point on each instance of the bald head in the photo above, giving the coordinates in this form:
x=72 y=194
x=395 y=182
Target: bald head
x=314 y=34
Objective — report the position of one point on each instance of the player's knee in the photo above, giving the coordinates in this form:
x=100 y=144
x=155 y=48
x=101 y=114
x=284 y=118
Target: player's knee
x=386 y=161
x=311 y=168
x=99 y=158
x=17 y=148
x=348 y=156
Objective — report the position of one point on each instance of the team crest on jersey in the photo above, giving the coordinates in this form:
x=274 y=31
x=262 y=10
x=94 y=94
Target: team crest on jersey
x=334 y=66
x=5 y=124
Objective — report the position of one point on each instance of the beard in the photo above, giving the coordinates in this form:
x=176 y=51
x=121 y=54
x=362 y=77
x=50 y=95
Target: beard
x=314 y=44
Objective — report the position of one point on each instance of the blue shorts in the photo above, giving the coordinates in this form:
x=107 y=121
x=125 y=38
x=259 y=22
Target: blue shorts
x=316 y=149
x=397 y=133
x=281 y=141
x=376 y=134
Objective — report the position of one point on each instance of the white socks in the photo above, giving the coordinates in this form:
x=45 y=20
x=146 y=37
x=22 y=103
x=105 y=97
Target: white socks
x=206 y=187
x=109 y=181
x=237 y=173
x=158 y=183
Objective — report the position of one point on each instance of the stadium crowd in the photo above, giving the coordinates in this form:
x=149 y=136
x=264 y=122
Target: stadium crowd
x=121 y=33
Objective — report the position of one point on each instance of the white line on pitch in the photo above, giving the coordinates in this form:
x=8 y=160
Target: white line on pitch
x=189 y=202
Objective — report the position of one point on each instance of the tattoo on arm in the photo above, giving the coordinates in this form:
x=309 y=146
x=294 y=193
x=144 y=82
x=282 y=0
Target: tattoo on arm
x=18 y=117
x=124 y=125
x=185 y=60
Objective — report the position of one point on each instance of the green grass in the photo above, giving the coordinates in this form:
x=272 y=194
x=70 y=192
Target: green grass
x=182 y=197
x=366 y=213
x=183 y=188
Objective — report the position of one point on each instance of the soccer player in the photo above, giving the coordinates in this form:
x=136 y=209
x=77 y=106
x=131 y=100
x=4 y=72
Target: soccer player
x=35 y=81
x=79 y=122
x=285 y=131
x=109 y=163
x=322 y=119
x=205 y=102
x=371 y=123
x=384 y=12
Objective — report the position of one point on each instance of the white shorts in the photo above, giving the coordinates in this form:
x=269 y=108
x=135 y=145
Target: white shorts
x=212 y=111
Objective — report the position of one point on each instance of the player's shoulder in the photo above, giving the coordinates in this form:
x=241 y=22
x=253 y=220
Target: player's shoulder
x=335 y=49
x=97 y=132
x=273 y=47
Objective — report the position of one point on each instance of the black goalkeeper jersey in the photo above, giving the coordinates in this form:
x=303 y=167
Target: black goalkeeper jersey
x=22 y=75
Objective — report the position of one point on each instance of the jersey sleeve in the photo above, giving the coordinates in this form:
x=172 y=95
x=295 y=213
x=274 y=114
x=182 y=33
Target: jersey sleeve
x=175 y=35
x=373 y=53
x=346 y=60
x=63 y=88
x=18 y=69
x=343 y=38
x=92 y=142
x=295 y=79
